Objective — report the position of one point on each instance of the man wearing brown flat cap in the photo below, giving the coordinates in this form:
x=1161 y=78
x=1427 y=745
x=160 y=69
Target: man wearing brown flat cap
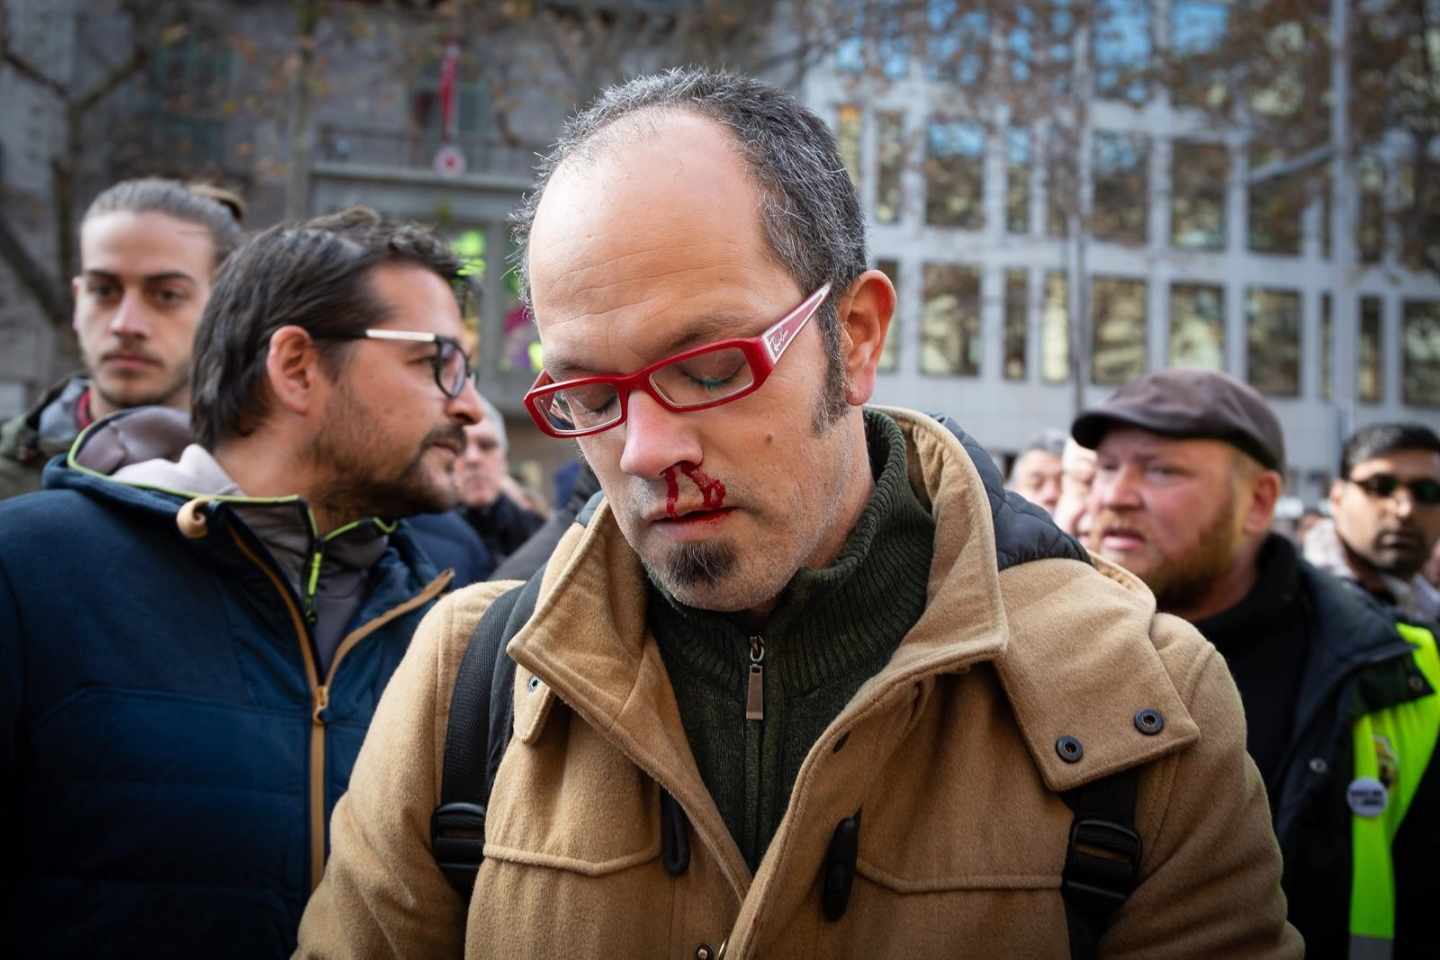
x=1340 y=699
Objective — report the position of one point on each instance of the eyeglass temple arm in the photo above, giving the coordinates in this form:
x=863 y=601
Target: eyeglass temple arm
x=778 y=337
x=410 y=335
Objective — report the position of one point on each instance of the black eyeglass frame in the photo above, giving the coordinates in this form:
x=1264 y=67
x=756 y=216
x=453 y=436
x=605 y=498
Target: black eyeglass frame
x=443 y=346
x=1424 y=492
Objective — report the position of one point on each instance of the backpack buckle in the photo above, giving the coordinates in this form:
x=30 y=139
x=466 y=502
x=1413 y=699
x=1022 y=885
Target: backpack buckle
x=1102 y=864
x=457 y=841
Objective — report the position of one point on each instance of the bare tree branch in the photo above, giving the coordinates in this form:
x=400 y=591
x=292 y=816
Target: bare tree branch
x=32 y=275
x=32 y=73
x=112 y=81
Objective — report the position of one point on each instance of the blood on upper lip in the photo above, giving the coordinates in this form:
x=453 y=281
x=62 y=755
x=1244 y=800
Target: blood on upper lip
x=672 y=493
x=712 y=490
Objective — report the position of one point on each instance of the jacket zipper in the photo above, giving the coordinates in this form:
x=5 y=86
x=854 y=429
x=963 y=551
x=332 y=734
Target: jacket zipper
x=755 y=693
x=320 y=692
x=312 y=584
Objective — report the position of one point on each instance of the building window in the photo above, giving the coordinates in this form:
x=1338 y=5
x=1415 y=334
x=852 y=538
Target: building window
x=1017 y=181
x=1370 y=218
x=1062 y=196
x=1122 y=47
x=1197 y=326
x=1293 y=54
x=182 y=118
x=1121 y=204
x=1419 y=198
x=471 y=109
x=1055 y=329
x=848 y=128
x=955 y=175
x=890 y=166
x=1272 y=328
x=950 y=325
x=1198 y=174
x=958 y=44
x=890 y=352
x=1117 y=315
x=1422 y=353
x=1370 y=369
x=1017 y=322
x=1197 y=28
x=1275 y=207
x=1327 y=347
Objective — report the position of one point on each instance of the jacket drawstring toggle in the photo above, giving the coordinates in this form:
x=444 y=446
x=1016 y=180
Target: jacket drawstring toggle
x=190 y=519
x=838 y=873
x=674 y=836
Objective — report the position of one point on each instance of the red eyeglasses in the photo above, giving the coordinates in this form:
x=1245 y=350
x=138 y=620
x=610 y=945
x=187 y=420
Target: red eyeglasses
x=697 y=379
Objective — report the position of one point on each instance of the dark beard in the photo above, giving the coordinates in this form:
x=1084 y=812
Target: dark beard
x=695 y=564
x=357 y=491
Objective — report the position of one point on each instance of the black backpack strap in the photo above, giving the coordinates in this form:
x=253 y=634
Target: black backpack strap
x=482 y=713
x=1102 y=861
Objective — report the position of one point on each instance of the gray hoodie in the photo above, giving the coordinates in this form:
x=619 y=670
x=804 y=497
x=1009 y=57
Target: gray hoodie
x=150 y=447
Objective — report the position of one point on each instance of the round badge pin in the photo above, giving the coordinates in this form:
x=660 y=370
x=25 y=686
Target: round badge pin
x=1367 y=797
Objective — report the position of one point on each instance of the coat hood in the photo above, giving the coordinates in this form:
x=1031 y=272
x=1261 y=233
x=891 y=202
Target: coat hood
x=144 y=457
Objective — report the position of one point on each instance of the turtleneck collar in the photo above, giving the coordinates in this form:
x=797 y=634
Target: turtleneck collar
x=832 y=621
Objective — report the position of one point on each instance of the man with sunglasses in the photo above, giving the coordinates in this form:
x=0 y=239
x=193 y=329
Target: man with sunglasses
x=806 y=682
x=1341 y=708
x=195 y=628
x=1385 y=511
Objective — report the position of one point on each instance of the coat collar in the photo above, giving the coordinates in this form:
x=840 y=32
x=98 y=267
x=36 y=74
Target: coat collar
x=1083 y=665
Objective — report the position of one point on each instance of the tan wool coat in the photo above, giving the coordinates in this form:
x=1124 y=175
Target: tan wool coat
x=949 y=751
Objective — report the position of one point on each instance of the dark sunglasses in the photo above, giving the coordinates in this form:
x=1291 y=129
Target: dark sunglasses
x=1425 y=493
x=450 y=362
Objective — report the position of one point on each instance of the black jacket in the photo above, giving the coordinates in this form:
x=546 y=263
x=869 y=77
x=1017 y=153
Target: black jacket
x=1357 y=663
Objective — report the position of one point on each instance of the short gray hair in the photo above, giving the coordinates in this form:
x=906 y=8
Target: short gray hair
x=808 y=206
x=1050 y=441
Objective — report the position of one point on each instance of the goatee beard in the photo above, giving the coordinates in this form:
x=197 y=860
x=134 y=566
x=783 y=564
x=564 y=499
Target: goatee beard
x=693 y=565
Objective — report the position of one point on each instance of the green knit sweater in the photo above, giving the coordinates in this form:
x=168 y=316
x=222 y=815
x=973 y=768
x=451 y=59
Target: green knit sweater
x=833 y=629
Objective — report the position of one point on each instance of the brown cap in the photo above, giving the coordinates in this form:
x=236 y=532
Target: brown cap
x=1190 y=404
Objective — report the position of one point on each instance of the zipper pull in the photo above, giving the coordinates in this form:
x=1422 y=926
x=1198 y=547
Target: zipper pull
x=312 y=586
x=755 y=695
x=322 y=700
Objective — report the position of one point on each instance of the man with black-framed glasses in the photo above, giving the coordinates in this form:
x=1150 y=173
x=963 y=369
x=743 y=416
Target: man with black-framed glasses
x=198 y=616
x=1385 y=510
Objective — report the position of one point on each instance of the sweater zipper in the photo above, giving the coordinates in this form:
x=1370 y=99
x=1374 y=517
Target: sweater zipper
x=755 y=693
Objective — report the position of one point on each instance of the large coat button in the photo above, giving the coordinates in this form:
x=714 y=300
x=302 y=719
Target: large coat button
x=1149 y=721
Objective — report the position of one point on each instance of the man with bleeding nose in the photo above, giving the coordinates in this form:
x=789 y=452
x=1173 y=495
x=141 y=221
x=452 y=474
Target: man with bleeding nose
x=806 y=681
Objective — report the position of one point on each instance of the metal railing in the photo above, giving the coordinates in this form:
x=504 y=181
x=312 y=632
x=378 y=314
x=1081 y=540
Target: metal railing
x=416 y=149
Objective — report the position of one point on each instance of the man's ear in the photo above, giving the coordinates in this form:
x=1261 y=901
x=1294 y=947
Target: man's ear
x=292 y=369
x=865 y=313
x=1264 y=495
